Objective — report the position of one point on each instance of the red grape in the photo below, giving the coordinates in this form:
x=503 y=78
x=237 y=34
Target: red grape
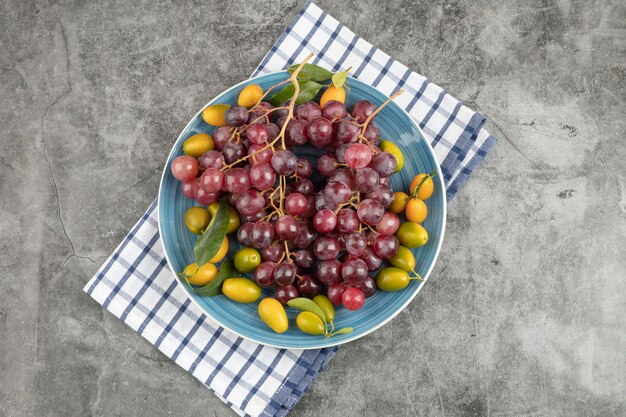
x=354 y=271
x=327 y=164
x=221 y=136
x=236 y=116
x=355 y=244
x=295 y=204
x=211 y=159
x=285 y=274
x=326 y=247
x=334 y=109
x=353 y=299
x=347 y=221
x=308 y=286
x=284 y=162
x=329 y=272
x=335 y=293
x=264 y=274
x=297 y=133
x=362 y=110
x=260 y=155
x=284 y=294
x=325 y=221
x=308 y=111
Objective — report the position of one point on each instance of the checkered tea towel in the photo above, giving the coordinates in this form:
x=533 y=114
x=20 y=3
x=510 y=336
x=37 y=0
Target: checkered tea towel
x=136 y=285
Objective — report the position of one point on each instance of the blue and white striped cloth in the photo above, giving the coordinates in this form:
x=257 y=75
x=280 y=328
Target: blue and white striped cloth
x=136 y=285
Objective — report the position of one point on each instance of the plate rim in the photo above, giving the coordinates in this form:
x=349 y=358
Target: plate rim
x=328 y=342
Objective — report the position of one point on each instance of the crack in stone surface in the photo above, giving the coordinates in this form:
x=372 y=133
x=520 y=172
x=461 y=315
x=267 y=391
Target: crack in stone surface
x=45 y=146
x=506 y=136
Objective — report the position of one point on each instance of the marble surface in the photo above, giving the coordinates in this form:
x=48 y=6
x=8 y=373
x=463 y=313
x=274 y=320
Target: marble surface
x=525 y=313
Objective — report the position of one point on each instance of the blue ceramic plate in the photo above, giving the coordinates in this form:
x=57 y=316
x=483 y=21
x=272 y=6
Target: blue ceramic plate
x=242 y=319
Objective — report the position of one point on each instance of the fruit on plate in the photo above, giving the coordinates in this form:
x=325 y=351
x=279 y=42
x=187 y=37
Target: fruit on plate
x=311 y=230
x=273 y=314
x=241 y=290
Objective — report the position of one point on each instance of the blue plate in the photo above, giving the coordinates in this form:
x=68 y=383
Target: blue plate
x=242 y=319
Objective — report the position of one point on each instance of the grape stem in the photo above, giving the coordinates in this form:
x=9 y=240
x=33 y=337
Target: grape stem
x=374 y=113
x=281 y=135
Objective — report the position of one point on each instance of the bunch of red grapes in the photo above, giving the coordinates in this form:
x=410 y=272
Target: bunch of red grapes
x=319 y=229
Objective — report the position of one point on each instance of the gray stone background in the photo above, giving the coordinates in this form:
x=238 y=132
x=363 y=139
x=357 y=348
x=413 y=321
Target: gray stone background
x=525 y=313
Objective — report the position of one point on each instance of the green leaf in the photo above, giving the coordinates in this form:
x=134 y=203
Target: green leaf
x=304 y=304
x=213 y=288
x=209 y=243
x=308 y=90
x=311 y=72
x=283 y=95
x=339 y=78
x=345 y=330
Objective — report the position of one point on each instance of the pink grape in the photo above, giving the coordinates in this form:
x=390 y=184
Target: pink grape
x=205 y=198
x=262 y=176
x=326 y=247
x=308 y=111
x=325 y=221
x=295 y=204
x=236 y=180
x=250 y=203
x=185 y=168
x=221 y=136
x=354 y=271
x=211 y=180
x=260 y=155
x=370 y=212
x=297 y=133
x=326 y=164
x=358 y=155
x=386 y=246
x=211 y=159
x=388 y=224
x=257 y=133
x=189 y=188
x=287 y=227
